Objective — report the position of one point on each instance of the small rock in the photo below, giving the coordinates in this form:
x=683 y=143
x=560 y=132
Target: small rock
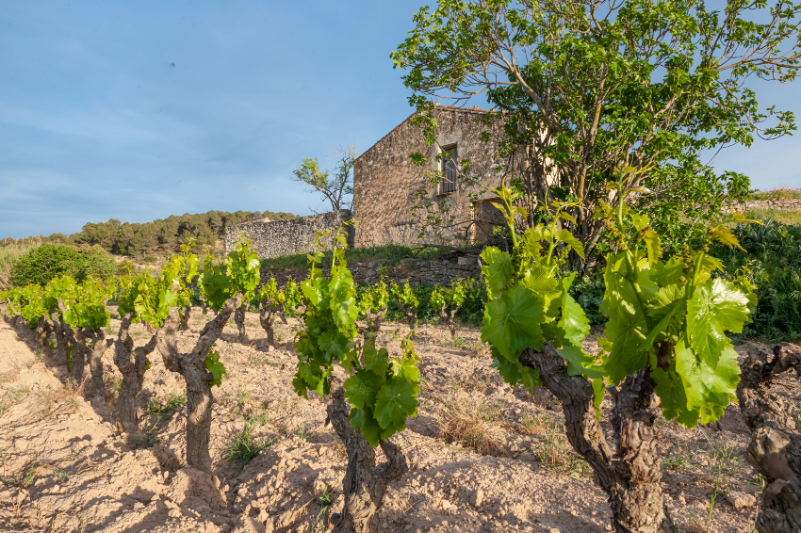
x=478 y=498
x=609 y=527
x=270 y=348
x=251 y=526
x=554 y=530
x=741 y=500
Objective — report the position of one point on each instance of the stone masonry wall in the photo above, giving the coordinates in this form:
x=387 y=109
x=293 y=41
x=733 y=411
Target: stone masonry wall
x=385 y=181
x=417 y=271
x=779 y=204
x=286 y=237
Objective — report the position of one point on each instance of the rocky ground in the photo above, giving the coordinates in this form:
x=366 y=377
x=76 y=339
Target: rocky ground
x=484 y=456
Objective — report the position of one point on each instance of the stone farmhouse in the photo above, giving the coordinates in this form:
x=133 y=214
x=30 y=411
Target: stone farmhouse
x=386 y=185
x=386 y=182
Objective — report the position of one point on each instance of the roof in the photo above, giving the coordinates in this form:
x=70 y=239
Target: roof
x=475 y=110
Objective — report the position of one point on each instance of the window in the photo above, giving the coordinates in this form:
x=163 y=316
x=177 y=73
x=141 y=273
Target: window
x=449 y=172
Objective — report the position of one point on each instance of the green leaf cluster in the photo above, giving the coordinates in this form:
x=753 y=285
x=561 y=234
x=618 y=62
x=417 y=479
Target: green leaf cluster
x=239 y=274
x=672 y=317
x=528 y=304
x=381 y=389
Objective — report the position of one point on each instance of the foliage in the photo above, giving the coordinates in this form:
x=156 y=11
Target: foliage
x=671 y=317
x=771 y=258
x=45 y=262
x=382 y=389
x=151 y=298
x=84 y=303
x=391 y=252
x=582 y=87
x=215 y=367
x=337 y=188
x=239 y=274
x=528 y=304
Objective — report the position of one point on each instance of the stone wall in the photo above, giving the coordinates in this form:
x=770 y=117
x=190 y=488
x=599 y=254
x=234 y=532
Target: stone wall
x=417 y=271
x=778 y=204
x=286 y=237
x=385 y=181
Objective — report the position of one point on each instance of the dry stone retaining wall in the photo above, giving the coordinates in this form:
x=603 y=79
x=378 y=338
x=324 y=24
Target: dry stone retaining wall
x=286 y=237
x=777 y=204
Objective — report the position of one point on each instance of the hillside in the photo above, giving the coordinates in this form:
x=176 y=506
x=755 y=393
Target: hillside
x=162 y=235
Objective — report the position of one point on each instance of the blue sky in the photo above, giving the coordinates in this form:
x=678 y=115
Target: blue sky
x=141 y=110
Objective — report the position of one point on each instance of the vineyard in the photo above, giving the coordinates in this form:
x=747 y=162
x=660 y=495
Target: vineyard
x=162 y=403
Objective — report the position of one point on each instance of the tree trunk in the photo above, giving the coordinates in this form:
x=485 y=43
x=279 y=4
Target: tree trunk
x=198 y=392
x=411 y=317
x=43 y=330
x=775 y=448
x=131 y=362
x=632 y=479
x=239 y=318
x=365 y=483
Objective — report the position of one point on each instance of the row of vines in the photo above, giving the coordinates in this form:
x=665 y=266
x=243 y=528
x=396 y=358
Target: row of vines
x=667 y=335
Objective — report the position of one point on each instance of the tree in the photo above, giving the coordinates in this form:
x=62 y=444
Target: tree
x=336 y=188
x=587 y=86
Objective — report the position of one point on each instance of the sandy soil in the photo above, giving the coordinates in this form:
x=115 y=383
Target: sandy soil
x=64 y=467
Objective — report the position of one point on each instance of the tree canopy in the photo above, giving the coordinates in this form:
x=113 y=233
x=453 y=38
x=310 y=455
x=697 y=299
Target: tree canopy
x=595 y=91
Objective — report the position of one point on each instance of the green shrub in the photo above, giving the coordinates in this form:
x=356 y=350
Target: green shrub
x=49 y=261
x=588 y=290
x=773 y=254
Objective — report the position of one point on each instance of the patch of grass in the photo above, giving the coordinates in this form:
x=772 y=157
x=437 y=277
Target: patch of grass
x=244 y=447
x=258 y=361
x=554 y=452
x=61 y=476
x=305 y=433
x=532 y=423
x=115 y=382
x=325 y=501
x=457 y=342
x=479 y=349
x=163 y=409
x=471 y=424
x=774 y=194
x=390 y=252
x=24 y=481
x=784 y=217
x=680 y=460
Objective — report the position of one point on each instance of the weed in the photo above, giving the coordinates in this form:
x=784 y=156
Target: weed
x=116 y=382
x=479 y=349
x=305 y=433
x=28 y=478
x=257 y=361
x=244 y=447
x=456 y=342
x=147 y=440
x=713 y=498
x=325 y=502
x=61 y=476
x=532 y=423
x=681 y=460
x=470 y=424
x=554 y=453
x=163 y=410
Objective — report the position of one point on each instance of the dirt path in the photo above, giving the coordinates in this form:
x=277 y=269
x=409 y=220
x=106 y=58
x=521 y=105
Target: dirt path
x=66 y=468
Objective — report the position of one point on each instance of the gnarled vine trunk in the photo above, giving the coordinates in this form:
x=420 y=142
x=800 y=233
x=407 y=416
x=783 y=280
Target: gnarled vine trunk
x=631 y=479
x=449 y=318
x=131 y=362
x=775 y=448
x=267 y=316
x=190 y=366
x=411 y=316
x=185 y=315
x=95 y=354
x=365 y=483
x=239 y=318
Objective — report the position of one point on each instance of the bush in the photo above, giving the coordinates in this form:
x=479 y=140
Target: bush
x=773 y=254
x=49 y=261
